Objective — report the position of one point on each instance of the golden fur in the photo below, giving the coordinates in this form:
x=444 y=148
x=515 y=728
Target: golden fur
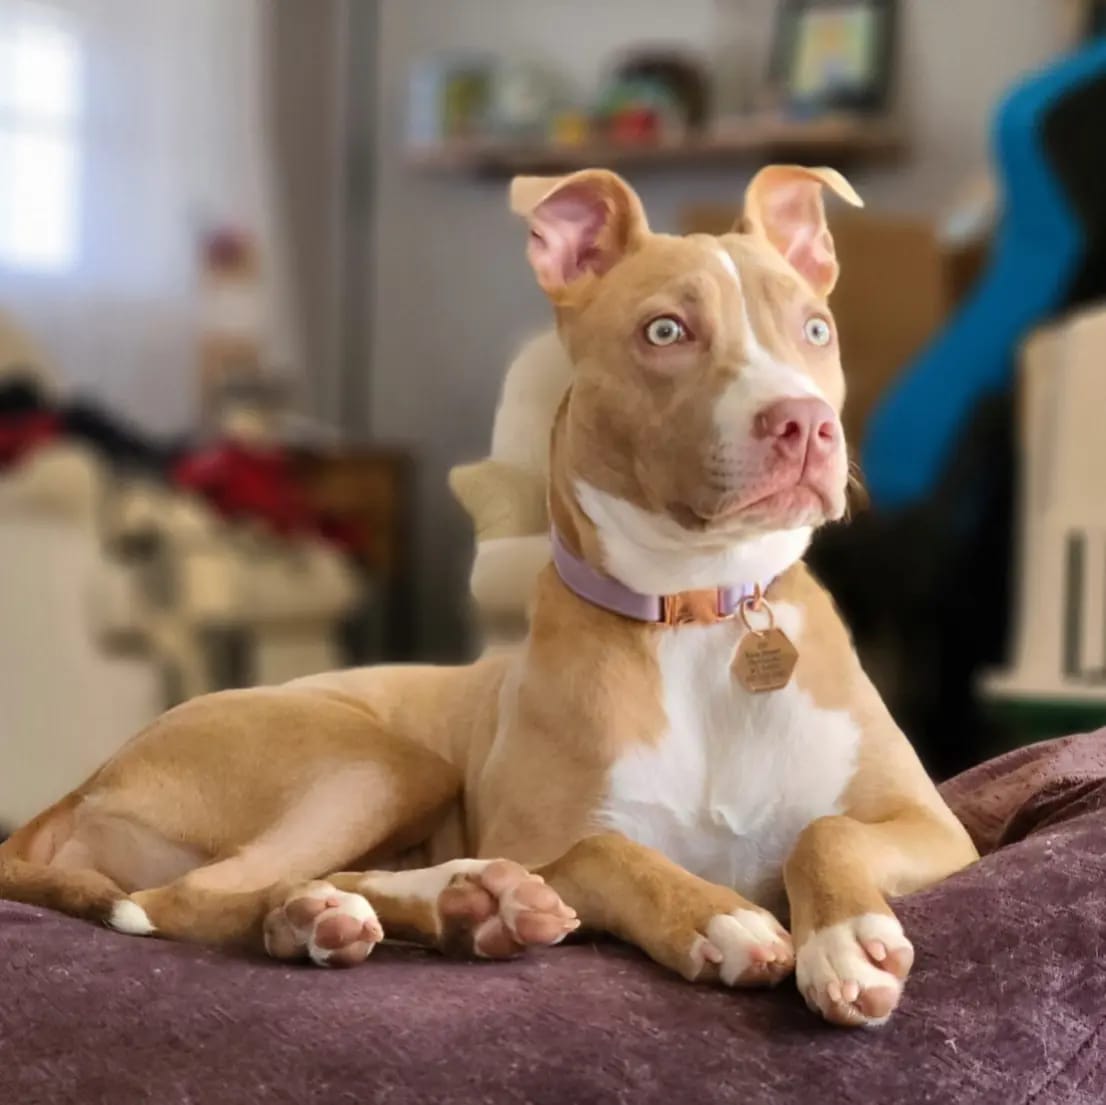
x=217 y=821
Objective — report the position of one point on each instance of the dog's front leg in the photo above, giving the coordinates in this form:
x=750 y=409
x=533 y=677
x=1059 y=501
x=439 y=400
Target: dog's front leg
x=703 y=931
x=853 y=956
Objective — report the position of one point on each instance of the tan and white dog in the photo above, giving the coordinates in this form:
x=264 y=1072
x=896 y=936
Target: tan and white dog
x=633 y=766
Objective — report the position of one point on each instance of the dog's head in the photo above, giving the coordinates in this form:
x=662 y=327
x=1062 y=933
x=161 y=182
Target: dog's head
x=701 y=435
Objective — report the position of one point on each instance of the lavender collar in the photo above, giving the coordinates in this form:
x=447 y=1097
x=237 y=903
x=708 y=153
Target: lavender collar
x=604 y=591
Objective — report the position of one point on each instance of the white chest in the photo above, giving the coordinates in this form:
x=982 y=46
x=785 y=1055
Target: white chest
x=737 y=776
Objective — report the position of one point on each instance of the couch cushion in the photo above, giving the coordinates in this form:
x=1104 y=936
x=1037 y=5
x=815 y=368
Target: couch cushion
x=1005 y=1004
x=1005 y=799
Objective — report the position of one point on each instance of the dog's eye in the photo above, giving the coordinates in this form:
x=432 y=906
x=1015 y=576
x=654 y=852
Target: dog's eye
x=665 y=330
x=817 y=331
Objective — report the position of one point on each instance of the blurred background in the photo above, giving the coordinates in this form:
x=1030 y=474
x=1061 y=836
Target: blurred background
x=259 y=288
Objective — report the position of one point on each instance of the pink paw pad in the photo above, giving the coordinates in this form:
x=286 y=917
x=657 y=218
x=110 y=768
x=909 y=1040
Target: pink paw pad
x=328 y=926
x=853 y=972
x=500 y=911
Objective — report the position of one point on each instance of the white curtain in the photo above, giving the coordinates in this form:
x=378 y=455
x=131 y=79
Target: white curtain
x=126 y=127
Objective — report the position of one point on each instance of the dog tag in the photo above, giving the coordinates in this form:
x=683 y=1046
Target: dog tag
x=765 y=658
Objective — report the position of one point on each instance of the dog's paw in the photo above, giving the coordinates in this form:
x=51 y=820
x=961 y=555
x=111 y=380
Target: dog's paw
x=747 y=947
x=329 y=926
x=853 y=972
x=500 y=909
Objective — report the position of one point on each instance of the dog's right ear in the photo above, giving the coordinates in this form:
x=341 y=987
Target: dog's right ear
x=581 y=225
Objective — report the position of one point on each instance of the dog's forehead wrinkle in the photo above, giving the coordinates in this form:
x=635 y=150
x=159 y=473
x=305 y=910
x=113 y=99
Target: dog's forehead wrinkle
x=669 y=261
x=691 y=287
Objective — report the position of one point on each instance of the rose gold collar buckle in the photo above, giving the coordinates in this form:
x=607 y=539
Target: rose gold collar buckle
x=694 y=608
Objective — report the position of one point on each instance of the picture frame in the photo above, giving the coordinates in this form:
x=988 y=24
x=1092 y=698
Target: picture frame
x=833 y=55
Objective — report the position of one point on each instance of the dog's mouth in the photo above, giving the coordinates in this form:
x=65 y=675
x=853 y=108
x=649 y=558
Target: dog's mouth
x=799 y=503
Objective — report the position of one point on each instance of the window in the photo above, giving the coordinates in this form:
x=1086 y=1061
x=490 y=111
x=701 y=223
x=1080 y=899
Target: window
x=40 y=98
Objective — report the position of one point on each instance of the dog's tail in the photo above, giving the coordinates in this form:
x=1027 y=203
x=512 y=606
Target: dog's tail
x=27 y=876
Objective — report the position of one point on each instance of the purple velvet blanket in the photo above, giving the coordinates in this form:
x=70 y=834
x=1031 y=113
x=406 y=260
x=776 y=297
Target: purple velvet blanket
x=1006 y=1005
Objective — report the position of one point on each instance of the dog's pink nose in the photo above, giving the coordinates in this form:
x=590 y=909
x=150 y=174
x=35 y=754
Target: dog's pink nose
x=799 y=427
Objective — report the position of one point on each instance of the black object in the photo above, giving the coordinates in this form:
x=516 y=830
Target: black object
x=927 y=593
x=115 y=439
x=1094 y=18
x=1073 y=139
x=21 y=395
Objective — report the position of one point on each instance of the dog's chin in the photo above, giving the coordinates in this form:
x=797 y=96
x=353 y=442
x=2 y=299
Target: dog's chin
x=794 y=506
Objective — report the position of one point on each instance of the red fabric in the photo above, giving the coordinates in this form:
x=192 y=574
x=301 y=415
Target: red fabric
x=242 y=482
x=246 y=483
x=21 y=434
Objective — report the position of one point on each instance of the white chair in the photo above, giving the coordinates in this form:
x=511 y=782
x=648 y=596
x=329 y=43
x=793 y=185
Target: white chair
x=1059 y=647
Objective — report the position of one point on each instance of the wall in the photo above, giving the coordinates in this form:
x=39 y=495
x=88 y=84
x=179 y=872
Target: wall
x=306 y=55
x=166 y=133
x=452 y=295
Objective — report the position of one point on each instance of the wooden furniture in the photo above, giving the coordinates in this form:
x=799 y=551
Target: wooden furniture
x=370 y=490
x=834 y=139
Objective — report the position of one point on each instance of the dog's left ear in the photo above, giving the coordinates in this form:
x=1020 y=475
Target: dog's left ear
x=581 y=225
x=783 y=203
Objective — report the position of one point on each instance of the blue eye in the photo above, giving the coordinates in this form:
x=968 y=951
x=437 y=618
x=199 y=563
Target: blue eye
x=665 y=330
x=817 y=331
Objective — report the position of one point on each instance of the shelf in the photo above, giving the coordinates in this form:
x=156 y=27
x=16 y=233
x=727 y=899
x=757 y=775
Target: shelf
x=833 y=139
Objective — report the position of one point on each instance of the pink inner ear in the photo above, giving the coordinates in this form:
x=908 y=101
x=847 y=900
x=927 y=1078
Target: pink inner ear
x=564 y=235
x=797 y=226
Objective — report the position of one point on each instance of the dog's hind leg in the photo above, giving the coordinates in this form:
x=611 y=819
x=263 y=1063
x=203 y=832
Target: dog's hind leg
x=225 y=796
x=360 y=808
x=85 y=893
x=26 y=876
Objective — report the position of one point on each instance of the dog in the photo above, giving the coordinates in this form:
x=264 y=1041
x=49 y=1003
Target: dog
x=684 y=752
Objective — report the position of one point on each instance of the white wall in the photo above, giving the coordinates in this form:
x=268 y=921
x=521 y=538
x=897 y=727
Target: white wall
x=452 y=293
x=168 y=134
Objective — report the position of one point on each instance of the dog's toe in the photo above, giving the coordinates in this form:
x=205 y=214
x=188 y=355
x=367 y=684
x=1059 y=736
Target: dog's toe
x=852 y=973
x=751 y=948
x=499 y=911
x=328 y=926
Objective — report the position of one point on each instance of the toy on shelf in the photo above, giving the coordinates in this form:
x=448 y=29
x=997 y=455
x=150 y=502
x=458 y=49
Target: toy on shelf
x=570 y=128
x=456 y=98
x=651 y=98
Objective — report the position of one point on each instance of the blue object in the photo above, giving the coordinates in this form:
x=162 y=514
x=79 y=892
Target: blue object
x=1038 y=251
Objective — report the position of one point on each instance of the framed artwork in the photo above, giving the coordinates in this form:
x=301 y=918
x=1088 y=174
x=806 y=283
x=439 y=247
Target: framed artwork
x=834 y=54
